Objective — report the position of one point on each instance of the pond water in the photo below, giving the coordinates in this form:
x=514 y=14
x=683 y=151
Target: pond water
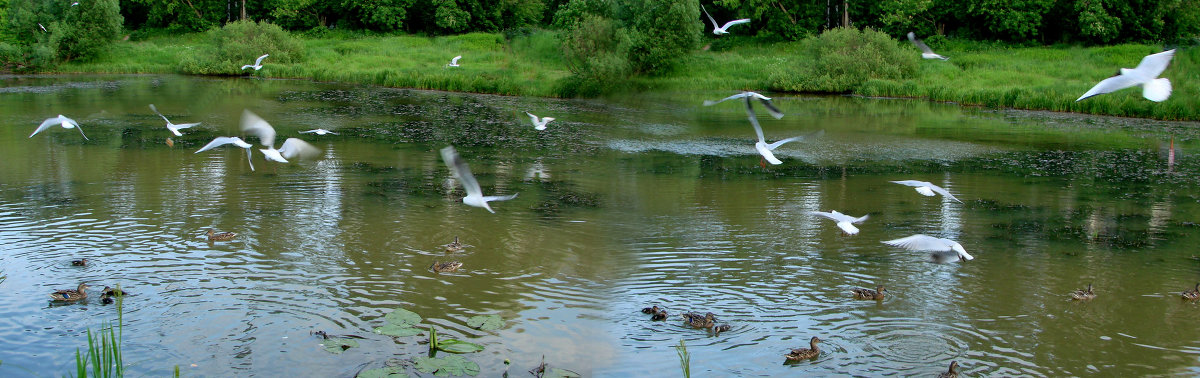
x=624 y=203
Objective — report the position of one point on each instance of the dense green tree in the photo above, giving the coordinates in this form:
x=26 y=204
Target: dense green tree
x=663 y=31
x=86 y=29
x=27 y=20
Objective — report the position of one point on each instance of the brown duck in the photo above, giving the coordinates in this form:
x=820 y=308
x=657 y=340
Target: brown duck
x=700 y=321
x=805 y=353
x=219 y=236
x=865 y=293
x=952 y=373
x=69 y=295
x=454 y=246
x=1084 y=295
x=80 y=262
x=442 y=267
x=1192 y=294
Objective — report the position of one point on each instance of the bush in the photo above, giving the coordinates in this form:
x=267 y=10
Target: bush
x=844 y=58
x=663 y=32
x=239 y=43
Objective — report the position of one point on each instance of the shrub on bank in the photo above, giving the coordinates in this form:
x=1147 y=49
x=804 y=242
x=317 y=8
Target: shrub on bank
x=839 y=60
x=228 y=48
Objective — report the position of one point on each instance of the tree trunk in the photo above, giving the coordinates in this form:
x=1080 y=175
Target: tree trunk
x=845 y=15
x=243 y=9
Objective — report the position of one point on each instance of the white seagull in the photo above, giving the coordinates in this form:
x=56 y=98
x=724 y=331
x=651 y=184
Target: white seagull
x=66 y=123
x=171 y=126
x=43 y=27
x=292 y=148
x=927 y=188
x=319 y=132
x=920 y=242
x=718 y=30
x=475 y=195
x=454 y=62
x=845 y=222
x=221 y=141
x=539 y=124
x=762 y=146
x=1145 y=74
x=257 y=63
x=926 y=52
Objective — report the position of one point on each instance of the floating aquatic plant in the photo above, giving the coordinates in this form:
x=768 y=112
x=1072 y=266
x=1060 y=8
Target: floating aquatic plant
x=385 y=372
x=401 y=323
x=444 y=367
x=486 y=322
x=451 y=345
x=338 y=345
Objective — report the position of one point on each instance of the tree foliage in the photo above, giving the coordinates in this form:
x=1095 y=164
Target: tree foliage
x=86 y=29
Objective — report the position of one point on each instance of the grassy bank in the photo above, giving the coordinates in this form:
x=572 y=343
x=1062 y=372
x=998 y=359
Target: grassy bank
x=978 y=73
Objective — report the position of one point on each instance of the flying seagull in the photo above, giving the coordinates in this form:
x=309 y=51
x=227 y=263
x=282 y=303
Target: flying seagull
x=319 y=132
x=221 y=141
x=171 y=126
x=718 y=30
x=475 y=195
x=257 y=63
x=454 y=62
x=539 y=124
x=1145 y=74
x=943 y=249
x=845 y=222
x=292 y=148
x=66 y=123
x=926 y=52
x=927 y=188
x=766 y=101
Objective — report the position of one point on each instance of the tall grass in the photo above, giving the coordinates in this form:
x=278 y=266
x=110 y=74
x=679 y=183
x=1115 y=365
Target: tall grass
x=685 y=359
x=104 y=349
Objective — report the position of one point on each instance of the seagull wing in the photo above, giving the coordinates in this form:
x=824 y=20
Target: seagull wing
x=734 y=22
x=943 y=192
x=258 y=62
x=295 y=148
x=46 y=125
x=913 y=183
x=76 y=127
x=221 y=141
x=499 y=198
x=254 y=125
x=754 y=122
x=1111 y=84
x=775 y=112
x=455 y=60
x=739 y=95
x=535 y=118
x=460 y=169
x=835 y=216
x=920 y=45
x=778 y=143
x=1154 y=64
x=710 y=18
x=186 y=125
x=920 y=242
x=159 y=114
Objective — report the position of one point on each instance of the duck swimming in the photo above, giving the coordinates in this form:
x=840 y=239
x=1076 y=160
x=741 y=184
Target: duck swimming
x=219 y=236
x=805 y=353
x=1084 y=295
x=864 y=293
x=69 y=295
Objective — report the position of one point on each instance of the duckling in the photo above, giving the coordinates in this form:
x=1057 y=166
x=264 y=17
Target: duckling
x=454 y=246
x=722 y=328
x=69 y=295
x=864 y=293
x=1193 y=294
x=220 y=236
x=952 y=373
x=700 y=321
x=80 y=262
x=661 y=315
x=442 y=267
x=805 y=353
x=1084 y=295
x=651 y=310
x=110 y=292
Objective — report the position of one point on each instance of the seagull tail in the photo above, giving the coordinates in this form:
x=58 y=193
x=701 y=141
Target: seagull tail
x=1157 y=90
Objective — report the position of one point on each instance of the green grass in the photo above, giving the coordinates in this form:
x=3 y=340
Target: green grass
x=104 y=350
x=978 y=73
x=1047 y=78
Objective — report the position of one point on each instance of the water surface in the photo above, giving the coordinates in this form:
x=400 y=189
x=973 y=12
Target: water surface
x=624 y=203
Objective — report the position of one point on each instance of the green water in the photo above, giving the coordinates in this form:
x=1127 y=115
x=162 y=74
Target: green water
x=624 y=203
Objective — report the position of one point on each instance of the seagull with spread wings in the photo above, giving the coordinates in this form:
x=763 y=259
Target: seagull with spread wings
x=1145 y=74
x=171 y=126
x=845 y=222
x=292 y=148
x=257 y=63
x=221 y=141
x=928 y=189
x=460 y=170
x=720 y=29
x=926 y=52
x=66 y=123
x=944 y=250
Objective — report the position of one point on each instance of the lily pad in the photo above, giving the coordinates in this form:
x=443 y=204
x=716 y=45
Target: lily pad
x=445 y=367
x=387 y=372
x=397 y=330
x=402 y=317
x=458 y=346
x=486 y=322
x=338 y=345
